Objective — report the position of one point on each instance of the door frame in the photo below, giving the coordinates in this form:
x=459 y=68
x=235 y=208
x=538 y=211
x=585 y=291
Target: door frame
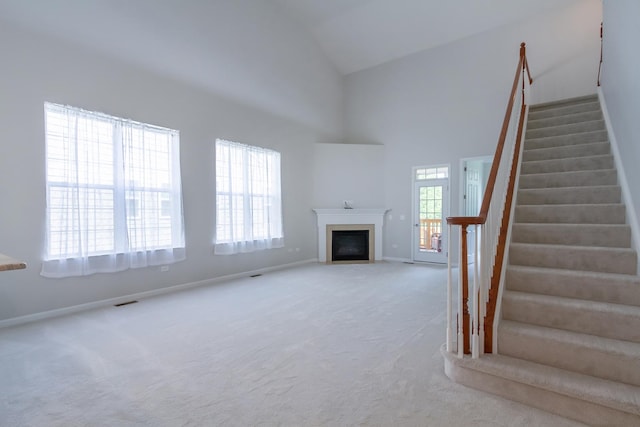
x=446 y=210
x=463 y=181
x=462 y=205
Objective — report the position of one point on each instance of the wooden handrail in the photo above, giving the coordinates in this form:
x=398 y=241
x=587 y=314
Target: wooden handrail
x=600 y=65
x=465 y=221
x=491 y=182
x=502 y=239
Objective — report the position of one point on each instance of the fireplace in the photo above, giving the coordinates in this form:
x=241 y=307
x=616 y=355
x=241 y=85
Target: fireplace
x=350 y=220
x=350 y=243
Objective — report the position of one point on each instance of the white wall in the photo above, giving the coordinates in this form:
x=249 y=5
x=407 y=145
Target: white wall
x=246 y=50
x=348 y=172
x=36 y=68
x=621 y=85
x=447 y=103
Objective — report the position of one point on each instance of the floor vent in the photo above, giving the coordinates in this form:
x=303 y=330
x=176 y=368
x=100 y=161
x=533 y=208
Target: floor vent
x=125 y=303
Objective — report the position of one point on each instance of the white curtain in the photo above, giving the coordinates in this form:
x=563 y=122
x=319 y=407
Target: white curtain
x=248 y=199
x=113 y=194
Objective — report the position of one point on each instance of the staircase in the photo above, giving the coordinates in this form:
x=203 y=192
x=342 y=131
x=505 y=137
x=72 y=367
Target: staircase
x=569 y=337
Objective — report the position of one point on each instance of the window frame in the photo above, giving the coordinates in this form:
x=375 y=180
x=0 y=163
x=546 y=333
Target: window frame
x=238 y=192
x=121 y=234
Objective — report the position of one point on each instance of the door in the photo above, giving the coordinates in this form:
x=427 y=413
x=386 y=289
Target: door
x=431 y=208
x=475 y=172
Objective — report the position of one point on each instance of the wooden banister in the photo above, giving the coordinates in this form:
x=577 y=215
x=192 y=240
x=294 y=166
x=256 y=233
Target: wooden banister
x=465 y=221
x=600 y=65
x=495 y=165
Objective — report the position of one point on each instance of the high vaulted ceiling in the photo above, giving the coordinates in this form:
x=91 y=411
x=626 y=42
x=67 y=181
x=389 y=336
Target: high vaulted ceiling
x=354 y=34
x=358 y=34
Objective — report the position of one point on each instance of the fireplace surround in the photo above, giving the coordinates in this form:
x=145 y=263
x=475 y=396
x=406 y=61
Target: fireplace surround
x=330 y=220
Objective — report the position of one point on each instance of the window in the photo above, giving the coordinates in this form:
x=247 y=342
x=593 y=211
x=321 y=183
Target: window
x=113 y=194
x=432 y=173
x=248 y=200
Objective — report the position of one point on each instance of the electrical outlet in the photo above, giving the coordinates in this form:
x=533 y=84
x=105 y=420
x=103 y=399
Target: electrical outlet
x=164 y=268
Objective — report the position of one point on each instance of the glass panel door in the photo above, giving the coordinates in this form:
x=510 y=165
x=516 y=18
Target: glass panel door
x=431 y=209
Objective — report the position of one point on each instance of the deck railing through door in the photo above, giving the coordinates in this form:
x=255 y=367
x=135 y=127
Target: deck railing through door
x=476 y=300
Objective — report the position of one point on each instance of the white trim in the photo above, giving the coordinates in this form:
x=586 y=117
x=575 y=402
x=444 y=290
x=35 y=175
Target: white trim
x=505 y=260
x=14 y=321
x=631 y=215
x=392 y=259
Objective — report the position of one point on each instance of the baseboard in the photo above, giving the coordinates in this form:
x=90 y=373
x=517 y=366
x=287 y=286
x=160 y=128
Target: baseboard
x=393 y=259
x=632 y=217
x=14 y=321
x=410 y=261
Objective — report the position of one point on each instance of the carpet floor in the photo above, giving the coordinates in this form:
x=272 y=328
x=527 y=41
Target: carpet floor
x=316 y=345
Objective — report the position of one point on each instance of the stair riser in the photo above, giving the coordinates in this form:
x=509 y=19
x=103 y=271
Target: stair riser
x=569 y=284
x=595 y=125
x=532 y=143
x=571 y=214
x=535 y=114
x=572 y=356
x=569 y=179
x=573 y=317
x=580 y=150
x=577 y=409
x=588 y=235
x=570 y=196
x=564 y=103
x=579 y=258
x=563 y=119
x=568 y=165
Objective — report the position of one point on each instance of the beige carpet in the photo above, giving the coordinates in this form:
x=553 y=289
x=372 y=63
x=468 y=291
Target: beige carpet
x=312 y=346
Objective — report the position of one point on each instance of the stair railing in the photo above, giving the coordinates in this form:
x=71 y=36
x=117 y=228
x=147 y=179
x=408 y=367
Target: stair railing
x=601 y=48
x=476 y=306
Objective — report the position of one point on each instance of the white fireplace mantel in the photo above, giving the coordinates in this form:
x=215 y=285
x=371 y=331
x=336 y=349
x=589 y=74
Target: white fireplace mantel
x=349 y=216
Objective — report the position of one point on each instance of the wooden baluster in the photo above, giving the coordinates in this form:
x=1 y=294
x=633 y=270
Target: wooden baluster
x=464 y=273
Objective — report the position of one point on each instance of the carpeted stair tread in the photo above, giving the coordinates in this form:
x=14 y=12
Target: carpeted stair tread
x=569 y=330
x=623 y=397
x=569 y=179
x=593 y=286
x=607 y=235
x=598 y=194
x=606 y=213
x=568 y=164
x=537 y=113
x=572 y=128
x=564 y=119
x=567 y=257
x=603 y=319
x=600 y=357
x=578 y=138
x=564 y=151
x=562 y=103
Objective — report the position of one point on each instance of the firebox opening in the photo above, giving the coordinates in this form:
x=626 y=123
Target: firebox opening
x=350 y=245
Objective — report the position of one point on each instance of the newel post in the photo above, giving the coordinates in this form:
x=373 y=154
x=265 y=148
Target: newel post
x=464 y=292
